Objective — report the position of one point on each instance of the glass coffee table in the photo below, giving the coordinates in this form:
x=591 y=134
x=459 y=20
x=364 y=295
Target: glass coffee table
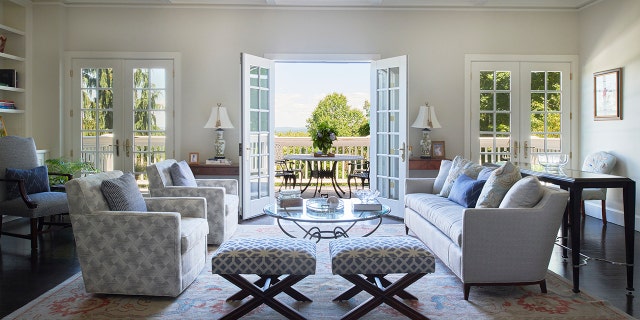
x=316 y=219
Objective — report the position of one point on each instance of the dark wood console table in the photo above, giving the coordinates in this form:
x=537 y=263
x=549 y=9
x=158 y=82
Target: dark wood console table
x=575 y=181
x=214 y=170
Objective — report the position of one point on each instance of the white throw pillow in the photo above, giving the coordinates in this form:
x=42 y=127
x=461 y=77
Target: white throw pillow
x=445 y=167
x=498 y=184
x=525 y=193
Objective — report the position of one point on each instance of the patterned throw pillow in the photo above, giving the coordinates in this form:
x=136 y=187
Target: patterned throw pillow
x=525 y=193
x=181 y=175
x=122 y=194
x=466 y=190
x=36 y=181
x=457 y=167
x=445 y=166
x=496 y=187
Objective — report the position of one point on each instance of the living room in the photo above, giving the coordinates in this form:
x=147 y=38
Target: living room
x=206 y=40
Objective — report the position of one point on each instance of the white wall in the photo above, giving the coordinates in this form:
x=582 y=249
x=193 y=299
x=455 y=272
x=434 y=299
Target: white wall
x=210 y=41
x=609 y=37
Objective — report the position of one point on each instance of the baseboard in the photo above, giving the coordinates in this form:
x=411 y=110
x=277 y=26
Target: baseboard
x=592 y=209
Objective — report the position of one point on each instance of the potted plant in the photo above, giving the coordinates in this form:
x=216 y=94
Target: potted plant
x=62 y=170
x=323 y=137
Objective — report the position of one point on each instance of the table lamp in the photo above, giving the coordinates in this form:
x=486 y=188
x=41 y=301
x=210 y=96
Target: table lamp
x=426 y=120
x=219 y=119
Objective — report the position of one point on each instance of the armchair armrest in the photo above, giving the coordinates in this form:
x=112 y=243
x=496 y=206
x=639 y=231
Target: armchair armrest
x=23 y=192
x=230 y=185
x=419 y=185
x=195 y=207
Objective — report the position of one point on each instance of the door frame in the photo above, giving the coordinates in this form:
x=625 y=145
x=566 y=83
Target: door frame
x=66 y=107
x=574 y=107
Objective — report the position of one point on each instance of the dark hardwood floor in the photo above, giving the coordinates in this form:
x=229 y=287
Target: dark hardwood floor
x=25 y=276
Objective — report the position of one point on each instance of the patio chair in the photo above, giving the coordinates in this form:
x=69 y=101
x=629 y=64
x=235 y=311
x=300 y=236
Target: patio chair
x=358 y=170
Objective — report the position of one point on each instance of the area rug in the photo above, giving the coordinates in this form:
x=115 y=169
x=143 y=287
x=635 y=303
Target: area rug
x=439 y=293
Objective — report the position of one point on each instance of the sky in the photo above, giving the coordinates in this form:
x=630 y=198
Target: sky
x=300 y=86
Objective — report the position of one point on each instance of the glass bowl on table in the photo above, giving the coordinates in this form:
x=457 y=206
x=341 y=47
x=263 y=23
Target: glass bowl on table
x=553 y=162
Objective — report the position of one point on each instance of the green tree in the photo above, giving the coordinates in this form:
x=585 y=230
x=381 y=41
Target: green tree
x=335 y=112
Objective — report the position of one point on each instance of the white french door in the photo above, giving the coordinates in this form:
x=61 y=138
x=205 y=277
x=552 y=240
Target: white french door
x=519 y=109
x=388 y=153
x=258 y=120
x=122 y=113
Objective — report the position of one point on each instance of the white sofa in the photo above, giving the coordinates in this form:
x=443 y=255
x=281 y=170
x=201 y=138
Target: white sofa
x=486 y=246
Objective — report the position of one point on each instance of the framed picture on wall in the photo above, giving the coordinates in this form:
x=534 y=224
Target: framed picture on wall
x=437 y=151
x=3 y=129
x=607 y=95
x=194 y=157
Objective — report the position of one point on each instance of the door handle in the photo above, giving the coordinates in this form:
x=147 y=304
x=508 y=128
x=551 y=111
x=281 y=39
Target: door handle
x=117 y=147
x=402 y=151
x=516 y=149
x=526 y=148
x=127 y=147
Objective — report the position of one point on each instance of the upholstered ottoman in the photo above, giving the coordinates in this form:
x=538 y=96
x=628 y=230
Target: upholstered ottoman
x=374 y=258
x=269 y=258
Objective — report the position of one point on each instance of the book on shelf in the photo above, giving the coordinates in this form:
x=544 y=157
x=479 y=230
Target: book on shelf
x=366 y=206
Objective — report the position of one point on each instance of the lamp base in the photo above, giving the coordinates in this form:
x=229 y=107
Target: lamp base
x=425 y=157
x=217 y=158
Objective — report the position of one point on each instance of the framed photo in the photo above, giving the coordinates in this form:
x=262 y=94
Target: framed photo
x=437 y=149
x=3 y=129
x=194 y=157
x=607 y=95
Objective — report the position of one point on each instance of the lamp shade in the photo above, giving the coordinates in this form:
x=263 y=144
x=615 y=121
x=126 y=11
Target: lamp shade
x=426 y=118
x=219 y=119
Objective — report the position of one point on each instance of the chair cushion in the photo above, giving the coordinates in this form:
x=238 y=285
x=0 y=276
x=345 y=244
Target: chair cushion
x=275 y=256
x=181 y=175
x=122 y=194
x=496 y=187
x=36 y=181
x=192 y=232
x=466 y=190
x=525 y=193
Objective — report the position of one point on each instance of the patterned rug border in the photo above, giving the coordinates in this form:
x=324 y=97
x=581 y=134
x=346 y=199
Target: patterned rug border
x=594 y=300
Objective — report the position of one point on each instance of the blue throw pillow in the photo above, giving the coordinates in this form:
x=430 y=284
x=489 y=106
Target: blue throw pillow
x=36 y=181
x=466 y=190
x=122 y=194
x=181 y=175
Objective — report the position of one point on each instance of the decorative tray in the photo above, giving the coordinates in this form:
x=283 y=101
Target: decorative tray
x=322 y=205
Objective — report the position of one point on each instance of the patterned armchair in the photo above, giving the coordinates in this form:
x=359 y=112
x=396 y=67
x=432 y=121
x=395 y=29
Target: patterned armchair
x=221 y=194
x=598 y=162
x=157 y=253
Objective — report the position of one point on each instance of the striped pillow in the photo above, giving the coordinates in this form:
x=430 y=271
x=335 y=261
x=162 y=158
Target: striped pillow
x=122 y=194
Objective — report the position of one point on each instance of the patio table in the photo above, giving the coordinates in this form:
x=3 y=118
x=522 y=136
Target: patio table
x=319 y=172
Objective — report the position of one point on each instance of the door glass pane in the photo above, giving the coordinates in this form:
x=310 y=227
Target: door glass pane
x=149 y=119
x=495 y=115
x=546 y=108
x=96 y=127
x=394 y=77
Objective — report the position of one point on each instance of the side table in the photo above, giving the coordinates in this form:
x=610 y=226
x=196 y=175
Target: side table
x=218 y=171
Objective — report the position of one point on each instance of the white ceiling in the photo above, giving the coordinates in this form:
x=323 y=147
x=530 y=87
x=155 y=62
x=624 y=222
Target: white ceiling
x=434 y=4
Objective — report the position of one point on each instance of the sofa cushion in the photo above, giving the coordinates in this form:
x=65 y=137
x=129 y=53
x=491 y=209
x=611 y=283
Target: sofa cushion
x=443 y=213
x=485 y=173
x=445 y=166
x=181 y=175
x=496 y=187
x=122 y=193
x=466 y=190
x=36 y=180
x=525 y=193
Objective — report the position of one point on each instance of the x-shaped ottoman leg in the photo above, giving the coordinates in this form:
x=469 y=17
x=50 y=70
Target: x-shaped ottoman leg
x=293 y=293
x=265 y=295
x=372 y=278
x=383 y=294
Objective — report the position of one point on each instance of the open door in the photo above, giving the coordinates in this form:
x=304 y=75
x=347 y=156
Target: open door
x=257 y=150
x=388 y=154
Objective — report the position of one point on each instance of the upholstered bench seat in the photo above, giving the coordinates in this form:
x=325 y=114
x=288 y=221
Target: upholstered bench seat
x=269 y=258
x=374 y=258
